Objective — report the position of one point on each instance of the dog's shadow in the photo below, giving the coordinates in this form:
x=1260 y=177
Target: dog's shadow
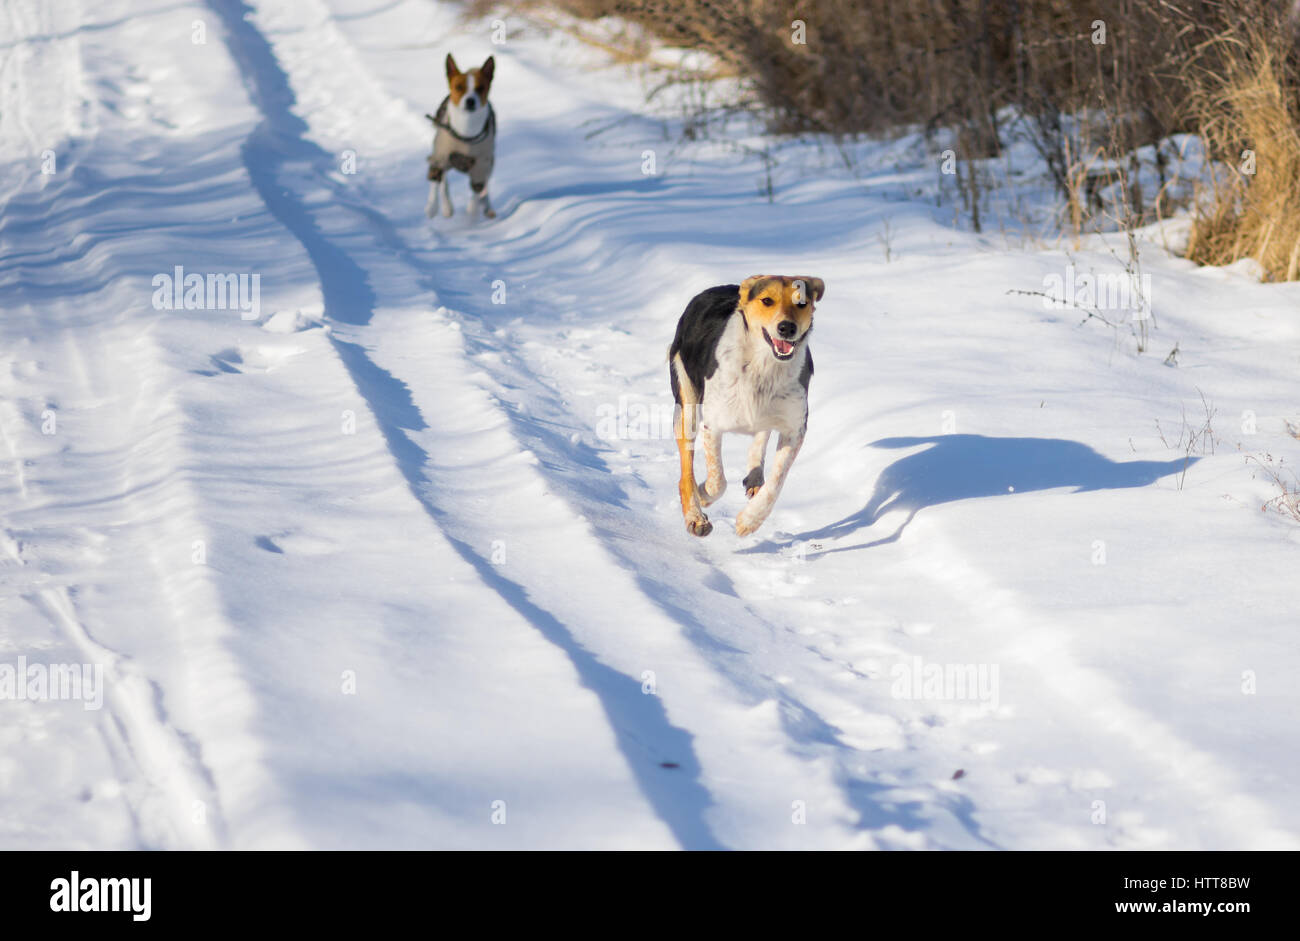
x=965 y=467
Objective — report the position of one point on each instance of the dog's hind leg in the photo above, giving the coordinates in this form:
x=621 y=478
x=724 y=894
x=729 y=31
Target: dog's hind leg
x=685 y=423
x=757 y=451
x=758 y=508
x=716 y=483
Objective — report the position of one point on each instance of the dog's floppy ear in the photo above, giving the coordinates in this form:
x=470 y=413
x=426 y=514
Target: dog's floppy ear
x=816 y=286
x=452 y=71
x=752 y=285
x=486 y=69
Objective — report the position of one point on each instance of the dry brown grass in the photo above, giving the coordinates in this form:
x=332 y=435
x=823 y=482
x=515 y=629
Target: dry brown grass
x=1249 y=117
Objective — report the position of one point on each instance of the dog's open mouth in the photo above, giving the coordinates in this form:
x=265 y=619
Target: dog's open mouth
x=781 y=349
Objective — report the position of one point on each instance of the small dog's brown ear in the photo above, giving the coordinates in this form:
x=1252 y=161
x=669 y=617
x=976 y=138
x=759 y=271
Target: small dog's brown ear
x=487 y=69
x=816 y=287
x=452 y=71
x=751 y=285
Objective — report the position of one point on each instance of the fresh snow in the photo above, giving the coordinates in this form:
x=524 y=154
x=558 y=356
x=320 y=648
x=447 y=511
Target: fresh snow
x=394 y=560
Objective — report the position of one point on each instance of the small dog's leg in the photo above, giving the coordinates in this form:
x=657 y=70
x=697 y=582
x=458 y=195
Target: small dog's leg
x=435 y=176
x=716 y=483
x=480 y=198
x=753 y=515
x=431 y=207
x=444 y=196
x=757 y=451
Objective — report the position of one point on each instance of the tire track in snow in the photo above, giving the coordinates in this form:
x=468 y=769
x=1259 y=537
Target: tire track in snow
x=97 y=484
x=644 y=733
x=1100 y=703
x=166 y=775
x=403 y=421
x=170 y=793
x=277 y=149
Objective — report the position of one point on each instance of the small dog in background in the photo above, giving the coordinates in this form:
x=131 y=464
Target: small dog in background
x=464 y=139
x=740 y=362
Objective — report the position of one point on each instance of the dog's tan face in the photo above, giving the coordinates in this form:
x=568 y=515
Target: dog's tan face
x=779 y=310
x=469 y=90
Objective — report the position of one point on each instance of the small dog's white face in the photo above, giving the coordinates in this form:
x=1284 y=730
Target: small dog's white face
x=469 y=93
x=779 y=310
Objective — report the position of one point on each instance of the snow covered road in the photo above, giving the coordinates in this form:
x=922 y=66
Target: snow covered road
x=394 y=560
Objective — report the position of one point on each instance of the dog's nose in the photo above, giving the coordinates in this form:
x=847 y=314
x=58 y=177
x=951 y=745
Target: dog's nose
x=787 y=329
x=470 y=104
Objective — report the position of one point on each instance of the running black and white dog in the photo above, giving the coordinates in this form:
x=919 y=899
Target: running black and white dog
x=740 y=362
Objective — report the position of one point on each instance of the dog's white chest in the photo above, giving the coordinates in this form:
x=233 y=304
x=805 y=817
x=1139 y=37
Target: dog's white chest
x=755 y=392
x=467 y=123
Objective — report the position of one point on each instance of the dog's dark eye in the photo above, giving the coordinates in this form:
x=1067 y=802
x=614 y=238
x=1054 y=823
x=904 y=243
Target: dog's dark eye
x=767 y=302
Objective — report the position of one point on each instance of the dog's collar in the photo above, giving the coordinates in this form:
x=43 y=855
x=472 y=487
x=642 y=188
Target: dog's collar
x=440 y=120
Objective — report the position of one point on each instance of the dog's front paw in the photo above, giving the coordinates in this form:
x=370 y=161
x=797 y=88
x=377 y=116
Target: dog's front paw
x=699 y=525
x=748 y=522
x=431 y=210
x=490 y=213
x=448 y=210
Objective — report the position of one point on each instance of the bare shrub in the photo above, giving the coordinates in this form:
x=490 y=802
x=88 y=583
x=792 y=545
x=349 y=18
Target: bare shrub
x=1092 y=83
x=1287 y=501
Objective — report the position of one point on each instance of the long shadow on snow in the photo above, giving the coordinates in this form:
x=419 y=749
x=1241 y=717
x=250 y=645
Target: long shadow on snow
x=639 y=722
x=964 y=467
x=677 y=797
x=278 y=145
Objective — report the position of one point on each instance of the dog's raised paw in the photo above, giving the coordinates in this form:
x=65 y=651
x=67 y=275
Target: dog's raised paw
x=746 y=524
x=699 y=527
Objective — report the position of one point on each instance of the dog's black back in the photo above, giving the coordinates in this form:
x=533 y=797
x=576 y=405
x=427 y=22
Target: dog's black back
x=697 y=335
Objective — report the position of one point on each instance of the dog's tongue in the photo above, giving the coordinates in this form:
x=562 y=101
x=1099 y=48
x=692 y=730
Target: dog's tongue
x=784 y=347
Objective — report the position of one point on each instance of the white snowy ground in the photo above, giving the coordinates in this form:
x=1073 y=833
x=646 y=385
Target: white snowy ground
x=390 y=484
